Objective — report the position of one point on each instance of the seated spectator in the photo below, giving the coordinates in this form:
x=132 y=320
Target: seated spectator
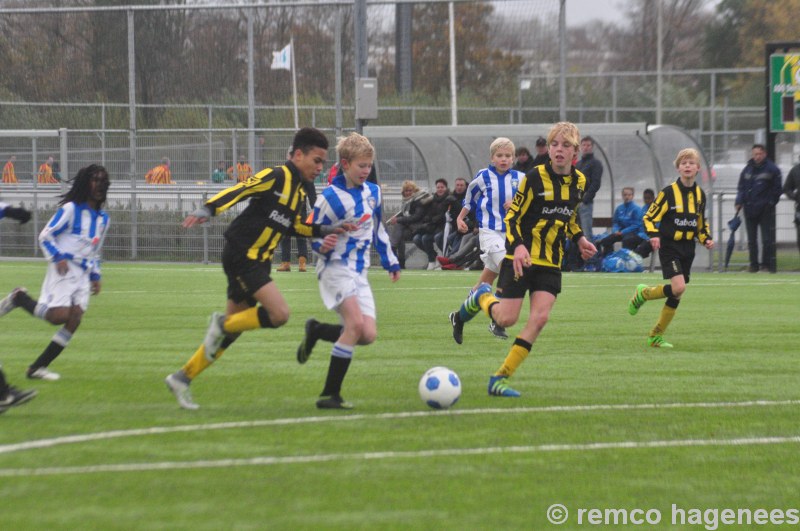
x=436 y=218
x=645 y=248
x=242 y=171
x=524 y=161
x=626 y=221
x=218 y=176
x=456 y=201
x=409 y=220
x=159 y=174
x=468 y=255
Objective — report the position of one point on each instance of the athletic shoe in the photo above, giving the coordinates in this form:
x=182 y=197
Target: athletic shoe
x=497 y=330
x=637 y=300
x=8 y=304
x=16 y=397
x=214 y=335
x=499 y=387
x=658 y=342
x=443 y=260
x=333 y=402
x=43 y=373
x=451 y=267
x=458 y=327
x=308 y=342
x=471 y=304
x=181 y=391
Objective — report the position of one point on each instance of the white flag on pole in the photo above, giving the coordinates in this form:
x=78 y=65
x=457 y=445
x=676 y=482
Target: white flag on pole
x=282 y=60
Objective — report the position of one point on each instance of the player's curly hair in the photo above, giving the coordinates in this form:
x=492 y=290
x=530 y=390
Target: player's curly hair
x=308 y=138
x=82 y=184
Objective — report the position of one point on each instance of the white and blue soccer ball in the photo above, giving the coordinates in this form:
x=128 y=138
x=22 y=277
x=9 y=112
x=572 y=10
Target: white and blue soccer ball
x=440 y=387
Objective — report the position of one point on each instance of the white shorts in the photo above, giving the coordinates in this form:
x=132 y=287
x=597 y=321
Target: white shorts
x=337 y=283
x=71 y=289
x=493 y=248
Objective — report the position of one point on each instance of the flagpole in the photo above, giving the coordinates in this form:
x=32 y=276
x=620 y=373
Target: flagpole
x=294 y=84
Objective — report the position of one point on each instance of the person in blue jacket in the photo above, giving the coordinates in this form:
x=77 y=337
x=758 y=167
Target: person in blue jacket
x=758 y=192
x=626 y=221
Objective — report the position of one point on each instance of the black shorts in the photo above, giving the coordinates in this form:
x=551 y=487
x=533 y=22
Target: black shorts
x=676 y=258
x=245 y=276
x=534 y=278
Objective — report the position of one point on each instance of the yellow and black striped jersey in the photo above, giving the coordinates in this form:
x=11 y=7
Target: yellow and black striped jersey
x=543 y=213
x=276 y=198
x=678 y=214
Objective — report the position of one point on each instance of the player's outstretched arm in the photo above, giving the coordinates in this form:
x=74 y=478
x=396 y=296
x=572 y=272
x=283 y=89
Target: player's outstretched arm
x=201 y=215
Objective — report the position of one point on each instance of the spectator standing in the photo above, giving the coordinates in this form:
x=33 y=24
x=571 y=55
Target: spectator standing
x=160 y=174
x=758 y=192
x=592 y=169
x=46 y=172
x=302 y=246
x=792 y=190
x=542 y=155
x=626 y=223
x=9 y=175
x=242 y=171
x=524 y=161
x=218 y=176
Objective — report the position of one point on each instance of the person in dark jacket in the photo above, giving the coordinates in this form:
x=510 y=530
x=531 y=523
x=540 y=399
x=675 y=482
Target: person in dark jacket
x=758 y=192
x=592 y=169
x=542 y=156
x=524 y=161
x=435 y=218
x=409 y=220
x=792 y=190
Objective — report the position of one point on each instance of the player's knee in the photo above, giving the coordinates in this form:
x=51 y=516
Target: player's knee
x=368 y=335
x=279 y=317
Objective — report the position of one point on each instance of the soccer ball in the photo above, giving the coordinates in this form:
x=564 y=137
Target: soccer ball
x=633 y=262
x=440 y=387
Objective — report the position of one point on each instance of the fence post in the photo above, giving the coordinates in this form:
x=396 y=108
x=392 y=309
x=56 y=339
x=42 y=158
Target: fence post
x=205 y=233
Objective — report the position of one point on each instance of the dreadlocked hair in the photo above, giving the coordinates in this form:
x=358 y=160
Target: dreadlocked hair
x=81 y=184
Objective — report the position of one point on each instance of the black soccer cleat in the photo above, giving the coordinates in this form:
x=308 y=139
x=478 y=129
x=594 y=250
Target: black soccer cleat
x=16 y=397
x=309 y=340
x=333 y=402
x=458 y=327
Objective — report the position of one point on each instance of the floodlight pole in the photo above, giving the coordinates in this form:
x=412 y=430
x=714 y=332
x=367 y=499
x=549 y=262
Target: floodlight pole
x=360 y=45
x=562 y=53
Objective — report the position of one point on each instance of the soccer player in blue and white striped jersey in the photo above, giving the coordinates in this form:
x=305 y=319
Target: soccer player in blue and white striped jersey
x=490 y=194
x=342 y=267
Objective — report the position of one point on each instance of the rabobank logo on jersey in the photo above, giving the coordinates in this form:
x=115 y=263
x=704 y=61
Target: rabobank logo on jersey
x=686 y=223
x=280 y=218
x=563 y=210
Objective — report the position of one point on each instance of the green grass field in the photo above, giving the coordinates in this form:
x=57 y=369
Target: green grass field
x=603 y=423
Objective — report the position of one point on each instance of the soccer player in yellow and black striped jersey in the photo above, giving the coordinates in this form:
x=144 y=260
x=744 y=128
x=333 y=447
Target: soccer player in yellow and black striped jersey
x=674 y=220
x=541 y=217
x=276 y=197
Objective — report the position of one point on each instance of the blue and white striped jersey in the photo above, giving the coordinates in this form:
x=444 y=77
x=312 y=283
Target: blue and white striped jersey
x=76 y=233
x=360 y=206
x=488 y=192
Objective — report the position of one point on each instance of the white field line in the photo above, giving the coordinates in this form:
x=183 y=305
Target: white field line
x=373 y=456
x=159 y=430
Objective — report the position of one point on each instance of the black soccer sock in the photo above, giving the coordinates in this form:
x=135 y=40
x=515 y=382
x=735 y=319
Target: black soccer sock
x=337 y=370
x=328 y=332
x=3 y=384
x=229 y=339
x=54 y=348
x=25 y=301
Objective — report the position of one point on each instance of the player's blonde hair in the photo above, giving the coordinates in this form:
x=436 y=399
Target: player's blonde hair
x=501 y=142
x=566 y=129
x=688 y=153
x=354 y=146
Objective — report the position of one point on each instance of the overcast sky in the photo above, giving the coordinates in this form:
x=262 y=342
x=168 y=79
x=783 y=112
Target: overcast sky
x=581 y=11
